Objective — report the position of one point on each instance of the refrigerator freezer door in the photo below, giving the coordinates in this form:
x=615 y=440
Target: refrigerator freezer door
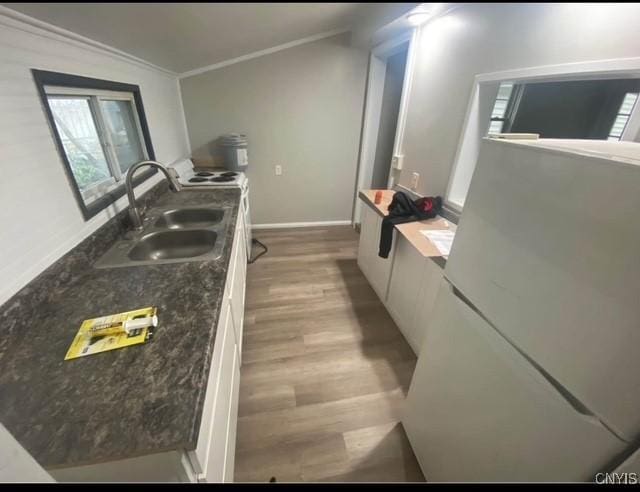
x=478 y=411
x=548 y=249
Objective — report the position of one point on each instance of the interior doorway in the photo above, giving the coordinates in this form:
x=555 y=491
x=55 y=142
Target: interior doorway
x=391 y=94
x=388 y=86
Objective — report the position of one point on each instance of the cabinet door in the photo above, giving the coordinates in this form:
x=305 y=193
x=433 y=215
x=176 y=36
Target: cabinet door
x=233 y=423
x=477 y=410
x=203 y=445
x=366 y=244
x=432 y=276
x=216 y=456
x=403 y=297
x=376 y=269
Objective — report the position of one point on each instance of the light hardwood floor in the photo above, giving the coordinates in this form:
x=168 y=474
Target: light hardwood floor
x=325 y=370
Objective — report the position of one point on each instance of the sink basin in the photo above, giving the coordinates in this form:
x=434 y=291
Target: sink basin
x=174 y=244
x=172 y=235
x=189 y=217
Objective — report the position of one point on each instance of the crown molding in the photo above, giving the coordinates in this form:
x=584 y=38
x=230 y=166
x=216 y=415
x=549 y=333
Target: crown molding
x=16 y=20
x=267 y=51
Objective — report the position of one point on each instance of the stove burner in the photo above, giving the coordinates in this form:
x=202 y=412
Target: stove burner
x=222 y=179
x=229 y=174
x=204 y=173
x=197 y=180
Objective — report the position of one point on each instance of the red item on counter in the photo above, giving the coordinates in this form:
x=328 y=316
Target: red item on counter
x=378 y=197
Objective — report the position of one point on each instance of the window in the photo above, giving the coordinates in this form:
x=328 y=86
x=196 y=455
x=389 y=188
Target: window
x=572 y=105
x=498 y=115
x=622 y=118
x=100 y=130
x=580 y=109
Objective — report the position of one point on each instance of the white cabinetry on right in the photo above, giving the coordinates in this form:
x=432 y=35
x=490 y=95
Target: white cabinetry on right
x=413 y=286
x=406 y=282
x=376 y=269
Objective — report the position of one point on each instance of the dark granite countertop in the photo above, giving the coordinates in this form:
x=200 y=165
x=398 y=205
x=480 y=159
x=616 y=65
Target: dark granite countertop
x=123 y=403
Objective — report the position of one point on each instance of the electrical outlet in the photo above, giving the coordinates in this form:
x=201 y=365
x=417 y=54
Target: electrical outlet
x=278 y=170
x=415 y=177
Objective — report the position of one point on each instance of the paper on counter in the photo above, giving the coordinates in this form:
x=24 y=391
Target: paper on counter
x=441 y=239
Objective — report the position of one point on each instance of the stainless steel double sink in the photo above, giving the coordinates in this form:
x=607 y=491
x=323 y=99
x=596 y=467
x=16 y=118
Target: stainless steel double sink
x=172 y=235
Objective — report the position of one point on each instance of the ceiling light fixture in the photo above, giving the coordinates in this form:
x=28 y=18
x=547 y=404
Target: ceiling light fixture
x=418 y=16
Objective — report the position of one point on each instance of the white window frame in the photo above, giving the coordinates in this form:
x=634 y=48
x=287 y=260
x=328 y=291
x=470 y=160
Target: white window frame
x=483 y=94
x=373 y=106
x=94 y=97
x=629 y=132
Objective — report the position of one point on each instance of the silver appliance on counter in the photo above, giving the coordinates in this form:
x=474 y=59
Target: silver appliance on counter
x=234 y=151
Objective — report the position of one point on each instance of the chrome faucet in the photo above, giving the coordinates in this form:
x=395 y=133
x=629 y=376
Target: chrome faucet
x=134 y=212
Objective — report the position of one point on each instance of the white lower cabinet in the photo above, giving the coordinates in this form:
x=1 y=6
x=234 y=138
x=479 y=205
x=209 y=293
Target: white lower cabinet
x=431 y=278
x=376 y=269
x=412 y=291
x=213 y=458
x=233 y=423
x=406 y=281
x=213 y=434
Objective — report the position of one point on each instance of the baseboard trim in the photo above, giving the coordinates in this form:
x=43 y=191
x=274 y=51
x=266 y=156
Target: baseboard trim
x=289 y=225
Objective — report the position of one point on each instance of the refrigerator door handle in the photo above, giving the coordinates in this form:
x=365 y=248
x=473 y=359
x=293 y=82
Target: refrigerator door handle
x=554 y=384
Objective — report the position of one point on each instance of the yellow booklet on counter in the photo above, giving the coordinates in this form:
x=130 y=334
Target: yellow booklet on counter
x=109 y=333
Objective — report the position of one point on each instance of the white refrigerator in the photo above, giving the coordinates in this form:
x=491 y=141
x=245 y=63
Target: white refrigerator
x=530 y=369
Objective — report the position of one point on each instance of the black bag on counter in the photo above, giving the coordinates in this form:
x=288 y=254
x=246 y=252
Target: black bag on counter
x=402 y=210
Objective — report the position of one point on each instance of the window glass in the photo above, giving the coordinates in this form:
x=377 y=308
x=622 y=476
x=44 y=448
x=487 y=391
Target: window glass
x=77 y=129
x=123 y=131
x=498 y=115
x=622 y=118
x=100 y=130
x=576 y=109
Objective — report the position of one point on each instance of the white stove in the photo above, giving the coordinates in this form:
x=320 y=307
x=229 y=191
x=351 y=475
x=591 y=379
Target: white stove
x=193 y=178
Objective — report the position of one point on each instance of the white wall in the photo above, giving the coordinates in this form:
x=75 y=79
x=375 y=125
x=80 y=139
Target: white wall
x=485 y=38
x=379 y=22
x=300 y=108
x=40 y=219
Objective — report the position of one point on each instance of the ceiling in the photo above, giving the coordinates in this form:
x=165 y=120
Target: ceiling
x=185 y=36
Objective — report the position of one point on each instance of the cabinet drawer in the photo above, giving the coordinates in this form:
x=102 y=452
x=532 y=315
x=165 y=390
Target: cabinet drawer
x=237 y=279
x=233 y=259
x=238 y=290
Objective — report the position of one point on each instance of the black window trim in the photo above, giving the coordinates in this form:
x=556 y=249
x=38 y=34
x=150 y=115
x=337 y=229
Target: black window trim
x=44 y=78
